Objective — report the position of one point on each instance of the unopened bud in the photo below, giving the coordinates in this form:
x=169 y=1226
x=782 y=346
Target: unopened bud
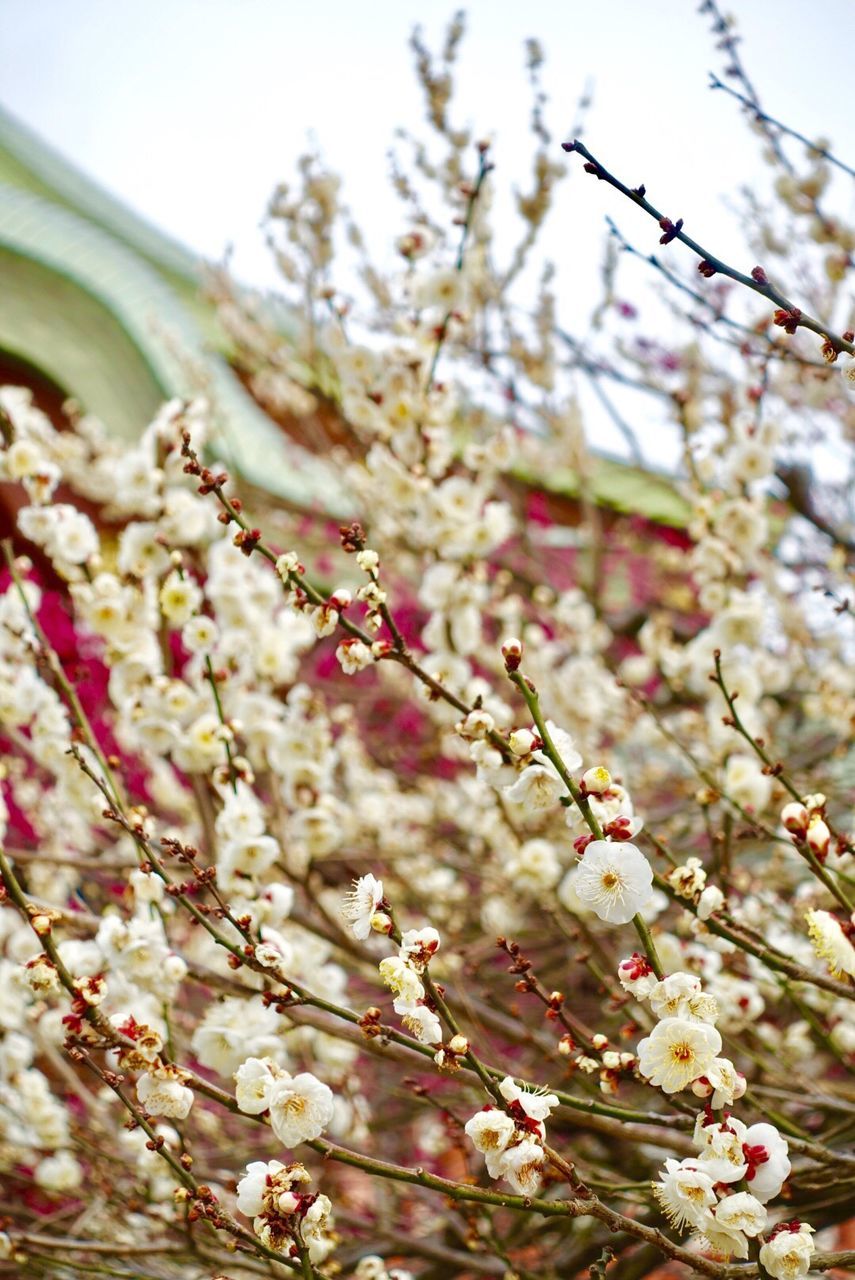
x=818 y=836
x=596 y=780
x=380 y=922
x=795 y=818
x=512 y=652
x=702 y=1088
x=599 y=1041
x=522 y=742
x=459 y=1045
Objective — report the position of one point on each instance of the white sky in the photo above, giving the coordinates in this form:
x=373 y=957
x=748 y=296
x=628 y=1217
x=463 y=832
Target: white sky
x=191 y=110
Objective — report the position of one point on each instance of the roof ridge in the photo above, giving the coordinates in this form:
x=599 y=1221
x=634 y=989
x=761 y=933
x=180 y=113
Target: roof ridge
x=84 y=194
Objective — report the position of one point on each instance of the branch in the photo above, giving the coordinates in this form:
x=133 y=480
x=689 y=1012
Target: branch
x=788 y=315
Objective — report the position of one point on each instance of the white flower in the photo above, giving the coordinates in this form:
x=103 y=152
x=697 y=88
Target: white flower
x=313 y=1227
x=725 y=1082
x=722 y=1156
x=249 y=856
x=564 y=746
x=676 y=1052
x=614 y=879
x=422 y=1021
x=418 y=946
x=253 y=1185
x=536 y=1105
x=301 y=1107
x=267 y=1188
x=745 y=783
x=680 y=996
x=59 y=1172
x=711 y=900
x=725 y=1241
x=163 y=1093
x=636 y=976
x=684 y=1191
x=767 y=1154
x=401 y=978
x=353 y=655
x=787 y=1256
x=689 y=879
x=830 y=942
x=537 y=787
x=233 y=1028
x=521 y=1165
x=362 y=903
x=199 y=634
x=490 y=1131
x=741 y=1212
x=253 y=1083
x=180 y=598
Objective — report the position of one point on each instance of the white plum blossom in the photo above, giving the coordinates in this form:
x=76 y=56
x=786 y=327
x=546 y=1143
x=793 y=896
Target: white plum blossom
x=253 y=1082
x=787 y=1255
x=362 y=903
x=402 y=978
x=162 y=1092
x=831 y=943
x=300 y=1106
x=418 y=946
x=266 y=1187
x=680 y=995
x=636 y=976
x=234 y=1027
x=521 y=1166
x=536 y=1104
x=676 y=1052
x=614 y=879
x=537 y=787
x=724 y=1084
x=420 y=1019
x=252 y=1188
x=490 y=1132
x=743 y=1212
x=59 y=1172
x=768 y=1159
x=721 y=1149
x=684 y=1192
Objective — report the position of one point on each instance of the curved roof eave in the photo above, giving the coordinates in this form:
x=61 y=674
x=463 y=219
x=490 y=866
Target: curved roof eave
x=169 y=338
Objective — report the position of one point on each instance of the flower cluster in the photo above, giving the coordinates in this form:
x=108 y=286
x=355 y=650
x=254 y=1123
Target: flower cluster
x=593 y=723
x=511 y=1140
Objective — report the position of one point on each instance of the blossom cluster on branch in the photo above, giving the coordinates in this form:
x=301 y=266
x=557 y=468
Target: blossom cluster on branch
x=468 y=890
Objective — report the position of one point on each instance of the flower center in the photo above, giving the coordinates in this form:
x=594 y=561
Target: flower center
x=682 y=1052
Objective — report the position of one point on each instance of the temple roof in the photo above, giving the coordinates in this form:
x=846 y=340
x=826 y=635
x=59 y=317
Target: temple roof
x=112 y=310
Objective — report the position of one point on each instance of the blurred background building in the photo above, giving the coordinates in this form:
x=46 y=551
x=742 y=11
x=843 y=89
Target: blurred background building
x=100 y=306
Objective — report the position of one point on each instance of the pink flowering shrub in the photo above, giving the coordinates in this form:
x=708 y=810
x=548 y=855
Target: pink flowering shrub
x=468 y=891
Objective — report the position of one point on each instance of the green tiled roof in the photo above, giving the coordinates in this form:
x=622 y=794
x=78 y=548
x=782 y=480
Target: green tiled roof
x=109 y=307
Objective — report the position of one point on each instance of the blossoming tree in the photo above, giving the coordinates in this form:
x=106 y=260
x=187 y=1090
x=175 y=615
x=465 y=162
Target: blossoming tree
x=470 y=894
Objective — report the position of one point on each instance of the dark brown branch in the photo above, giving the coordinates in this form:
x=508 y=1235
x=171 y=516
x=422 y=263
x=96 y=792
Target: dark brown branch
x=788 y=315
